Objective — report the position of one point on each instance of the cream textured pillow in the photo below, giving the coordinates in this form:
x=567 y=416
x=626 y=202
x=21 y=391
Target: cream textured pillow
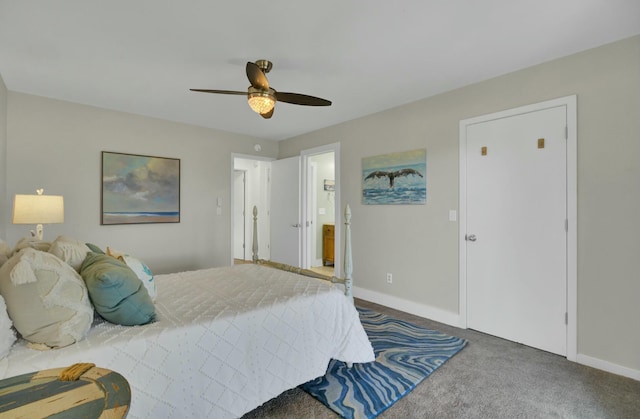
x=7 y=335
x=70 y=250
x=46 y=299
x=31 y=242
x=4 y=248
x=5 y=252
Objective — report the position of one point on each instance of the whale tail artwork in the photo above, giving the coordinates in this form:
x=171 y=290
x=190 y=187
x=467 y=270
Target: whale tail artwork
x=393 y=175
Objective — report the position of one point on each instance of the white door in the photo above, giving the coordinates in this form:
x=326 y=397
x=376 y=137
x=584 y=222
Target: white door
x=309 y=230
x=285 y=211
x=516 y=208
x=239 y=214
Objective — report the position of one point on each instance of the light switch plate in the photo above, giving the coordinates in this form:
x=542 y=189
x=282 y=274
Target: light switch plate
x=453 y=215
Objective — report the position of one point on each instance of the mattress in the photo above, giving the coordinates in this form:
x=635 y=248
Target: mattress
x=225 y=341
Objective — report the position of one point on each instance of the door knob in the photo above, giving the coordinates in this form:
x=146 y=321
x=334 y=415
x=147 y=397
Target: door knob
x=296 y=225
x=471 y=238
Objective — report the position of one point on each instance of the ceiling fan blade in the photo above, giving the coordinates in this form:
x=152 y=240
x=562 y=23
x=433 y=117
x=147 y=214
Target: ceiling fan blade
x=224 y=92
x=268 y=115
x=256 y=77
x=300 y=99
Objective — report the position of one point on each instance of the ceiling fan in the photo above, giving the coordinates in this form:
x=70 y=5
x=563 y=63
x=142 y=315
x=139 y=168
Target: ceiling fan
x=261 y=97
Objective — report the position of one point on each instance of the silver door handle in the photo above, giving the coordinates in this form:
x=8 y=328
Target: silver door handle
x=296 y=225
x=471 y=238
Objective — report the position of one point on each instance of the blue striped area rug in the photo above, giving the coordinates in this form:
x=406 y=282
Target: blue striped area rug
x=405 y=353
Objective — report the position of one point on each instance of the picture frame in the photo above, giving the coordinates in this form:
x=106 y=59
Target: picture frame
x=395 y=178
x=139 y=189
x=330 y=185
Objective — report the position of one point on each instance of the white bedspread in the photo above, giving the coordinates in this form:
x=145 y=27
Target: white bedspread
x=225 y=341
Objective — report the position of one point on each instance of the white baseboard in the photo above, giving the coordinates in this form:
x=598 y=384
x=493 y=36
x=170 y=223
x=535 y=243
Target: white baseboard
x=422 y=310
x=608 y=366
x=453 y=319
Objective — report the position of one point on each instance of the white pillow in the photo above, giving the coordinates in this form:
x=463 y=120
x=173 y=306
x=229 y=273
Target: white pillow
x=70 y=250
x=7 y=334
x=141 y=270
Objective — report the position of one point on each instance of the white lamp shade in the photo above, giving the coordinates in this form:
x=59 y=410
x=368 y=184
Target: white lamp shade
x=38 y=209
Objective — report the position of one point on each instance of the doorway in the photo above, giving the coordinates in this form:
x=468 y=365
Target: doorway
x=321 y=213
x=517 y=225
x=249 y=188
x=300 y=199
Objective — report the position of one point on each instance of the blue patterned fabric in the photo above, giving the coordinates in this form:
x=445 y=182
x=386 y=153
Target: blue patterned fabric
x=405 y=353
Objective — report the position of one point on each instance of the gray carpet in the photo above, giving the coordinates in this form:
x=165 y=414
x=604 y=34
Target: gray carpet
x=490 y=378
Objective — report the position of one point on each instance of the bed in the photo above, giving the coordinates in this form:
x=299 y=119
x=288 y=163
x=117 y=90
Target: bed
x=224 y=341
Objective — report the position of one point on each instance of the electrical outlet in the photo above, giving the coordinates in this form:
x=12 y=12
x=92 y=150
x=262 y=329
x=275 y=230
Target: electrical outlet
x=389 y=278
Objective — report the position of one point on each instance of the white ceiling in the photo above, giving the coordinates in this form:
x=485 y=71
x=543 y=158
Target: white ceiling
x=142 y=56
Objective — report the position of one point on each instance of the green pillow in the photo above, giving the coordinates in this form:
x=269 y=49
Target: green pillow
x=95 y=248
x=115 y=291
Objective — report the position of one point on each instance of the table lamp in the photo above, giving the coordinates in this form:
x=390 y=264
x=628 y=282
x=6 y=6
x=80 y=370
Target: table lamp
x=38 y=209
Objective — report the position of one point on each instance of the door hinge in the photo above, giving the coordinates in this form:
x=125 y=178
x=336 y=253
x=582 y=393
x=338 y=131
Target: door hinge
x=566 y=318
x=566 y=132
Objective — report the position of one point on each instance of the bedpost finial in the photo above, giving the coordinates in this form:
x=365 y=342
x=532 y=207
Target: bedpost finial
x=254 y=246
x=348 y=264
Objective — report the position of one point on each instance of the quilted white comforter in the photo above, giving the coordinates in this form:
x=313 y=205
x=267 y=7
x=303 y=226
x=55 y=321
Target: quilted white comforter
x=225 y=341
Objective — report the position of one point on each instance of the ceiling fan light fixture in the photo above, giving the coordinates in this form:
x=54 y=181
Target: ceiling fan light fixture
x=261 y=97
x=261 y=102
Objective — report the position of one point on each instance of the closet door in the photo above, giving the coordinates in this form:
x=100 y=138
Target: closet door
x=516 y=228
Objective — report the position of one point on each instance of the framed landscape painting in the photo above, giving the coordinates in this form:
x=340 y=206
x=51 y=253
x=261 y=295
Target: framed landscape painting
x=395 y=178
x=139 y=189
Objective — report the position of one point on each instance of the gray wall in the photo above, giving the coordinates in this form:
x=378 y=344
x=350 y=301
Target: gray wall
x=57 y=146
x=424 y=255
x=3 y=157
